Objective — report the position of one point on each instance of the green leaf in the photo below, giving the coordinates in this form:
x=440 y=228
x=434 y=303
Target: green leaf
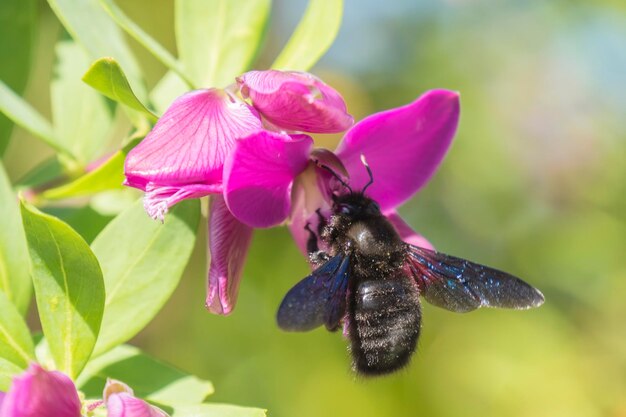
x=142 y=261
x=68 y=288
x=108 y=176
x=217 y=410
x=16 y=345
x=217 y=39
x=7 y=371
x=106 y=76
x=149 y=378
x=313 y=36
x=89 y=25
x=86 y=221
x=144 y=39
x=81 y=116
x=18 y=23
x=46 y=171
x=18 y=110
x=14 y=278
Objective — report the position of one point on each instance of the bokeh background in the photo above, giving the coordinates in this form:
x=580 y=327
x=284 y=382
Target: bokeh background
x=535 y=184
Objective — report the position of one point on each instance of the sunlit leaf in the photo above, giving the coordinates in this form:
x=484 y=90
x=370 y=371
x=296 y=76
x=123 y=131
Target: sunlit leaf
x=14 y=277
x=142 y=261
x=107 y=176
x=106 y=76
x=89 y=24
x=80 y=115
x=16 y=345
x=313 y=36
x=217 y=39
x=149 y=378
x=68 y=288
x=23 y=114
x=18 y=21
x=144 y=39
x=217 y=410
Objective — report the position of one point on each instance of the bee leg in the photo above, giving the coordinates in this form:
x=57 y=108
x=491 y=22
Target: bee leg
x=311 y=243
x=322 y=222
x=316 y=256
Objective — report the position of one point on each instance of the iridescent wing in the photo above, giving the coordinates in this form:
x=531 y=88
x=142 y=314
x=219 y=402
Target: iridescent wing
x=318 y=299
x=460 y=285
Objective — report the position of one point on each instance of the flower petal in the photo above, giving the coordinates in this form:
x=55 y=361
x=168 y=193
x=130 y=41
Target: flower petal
x=190 y=142
x=124 y=404
x=39 y=393
x=331 y=174
x=406 y=232
x=114 y=386
x=259 y=173
x=296 y=101
x=403 y=146
x=229 y=240
x=158 y=199
x=307 y=197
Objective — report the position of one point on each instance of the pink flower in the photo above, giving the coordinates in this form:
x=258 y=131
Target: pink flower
x=121 y=402
x=296 y=101
x=40 y=393
x=185 y=154
x=403 y=147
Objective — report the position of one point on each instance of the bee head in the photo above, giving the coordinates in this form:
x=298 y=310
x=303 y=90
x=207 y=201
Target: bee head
x=355 y=205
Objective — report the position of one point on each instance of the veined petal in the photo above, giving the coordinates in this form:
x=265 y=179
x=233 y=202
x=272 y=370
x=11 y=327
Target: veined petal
x=296 y=101
x=406 y=232
x=229 y=240
x=124 y=404
x=39 y=393
x=189 y=143
x=403 y=146
x=259 y=173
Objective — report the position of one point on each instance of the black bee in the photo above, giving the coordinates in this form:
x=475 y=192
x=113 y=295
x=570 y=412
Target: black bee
x=371 y=281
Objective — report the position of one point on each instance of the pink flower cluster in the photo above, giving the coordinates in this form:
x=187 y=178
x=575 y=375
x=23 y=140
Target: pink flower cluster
x=247 y=147
x=41 y=393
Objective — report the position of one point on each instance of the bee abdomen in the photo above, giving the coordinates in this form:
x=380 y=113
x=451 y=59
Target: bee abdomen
x=385 y=326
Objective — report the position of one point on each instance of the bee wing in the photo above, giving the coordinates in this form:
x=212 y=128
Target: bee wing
x=318 y=299
x=460 y=285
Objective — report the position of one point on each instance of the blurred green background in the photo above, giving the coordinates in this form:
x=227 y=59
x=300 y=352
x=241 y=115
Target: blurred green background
x=535 y=184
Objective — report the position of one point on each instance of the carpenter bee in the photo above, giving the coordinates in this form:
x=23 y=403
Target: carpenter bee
x=370 y=281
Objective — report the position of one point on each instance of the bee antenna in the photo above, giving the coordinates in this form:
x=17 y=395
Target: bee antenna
x=369 y=172
x=334 y=174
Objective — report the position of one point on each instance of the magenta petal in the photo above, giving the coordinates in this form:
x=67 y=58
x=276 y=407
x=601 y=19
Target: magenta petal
x=296 y=101
x=190 y=142
x=125 y=405
x=259 y=173
x=403 y=146
x=158 y=199
x=229 y=240
x=406 y=232
x=39 y=393
x=306 y=198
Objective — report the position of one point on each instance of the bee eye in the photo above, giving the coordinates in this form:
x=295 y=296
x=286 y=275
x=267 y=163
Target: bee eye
x=345 y=209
